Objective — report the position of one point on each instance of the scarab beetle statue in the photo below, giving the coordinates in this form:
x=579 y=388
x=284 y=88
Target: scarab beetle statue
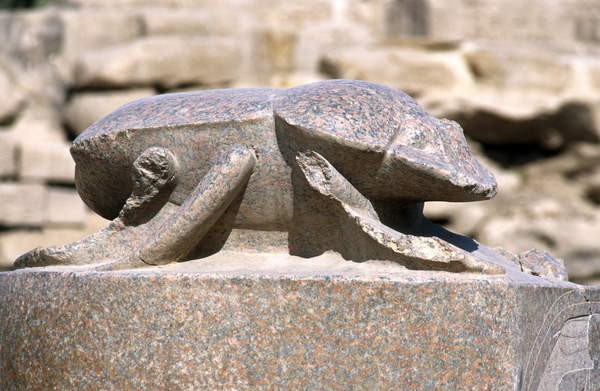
x=337 y=165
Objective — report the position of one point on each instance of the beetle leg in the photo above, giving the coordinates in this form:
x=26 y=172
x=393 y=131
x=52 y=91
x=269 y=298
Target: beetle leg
x=184 y=228
x=363 y=236
x=153 y=174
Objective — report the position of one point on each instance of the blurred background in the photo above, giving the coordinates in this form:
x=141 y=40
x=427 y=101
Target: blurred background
x=522 y=78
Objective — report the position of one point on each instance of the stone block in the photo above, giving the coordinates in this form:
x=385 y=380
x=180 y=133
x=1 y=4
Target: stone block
x=65 y=208
x=414 y=71
x=252 y=322
x=100 y=4
x=8 y=156
x=86 y=108
x=33 y=38
x=513 y=116
x=521 y=69
x=315 y=41
x=296 y=15
x=49 y=162
x=367 y=15
x=409 y=19
x=182 y=21
x=38 y=124
x=275 y=51
x=44 y=88
x=568 y=26
x=87 y=30
x=166 y=61
x=22 y=204
x=593 y=71
x=11 y=97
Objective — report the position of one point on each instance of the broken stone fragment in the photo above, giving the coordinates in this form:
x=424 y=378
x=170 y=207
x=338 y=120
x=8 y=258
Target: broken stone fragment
x=541 y=263
x=538 y=263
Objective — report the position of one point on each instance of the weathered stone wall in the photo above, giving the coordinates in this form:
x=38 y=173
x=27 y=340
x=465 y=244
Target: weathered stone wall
x=523 y=78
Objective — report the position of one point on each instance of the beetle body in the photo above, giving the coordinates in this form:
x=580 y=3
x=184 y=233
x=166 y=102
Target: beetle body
x=336 y=165
x=377 y=137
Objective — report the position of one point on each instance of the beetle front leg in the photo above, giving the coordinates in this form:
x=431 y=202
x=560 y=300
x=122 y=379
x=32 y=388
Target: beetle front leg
x=362 y=235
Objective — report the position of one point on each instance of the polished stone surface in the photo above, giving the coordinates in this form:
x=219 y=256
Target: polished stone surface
x=336 y=165
x=264 y=321
x=310 y=264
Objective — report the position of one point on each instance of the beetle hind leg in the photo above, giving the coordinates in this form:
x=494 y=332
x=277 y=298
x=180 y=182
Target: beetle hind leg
x=179 y=233
x=153 y=176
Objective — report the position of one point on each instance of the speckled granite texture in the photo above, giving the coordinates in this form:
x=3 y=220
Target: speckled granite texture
x=253 y=322
x=336 y=165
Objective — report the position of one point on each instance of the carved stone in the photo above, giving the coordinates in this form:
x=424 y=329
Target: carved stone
x=255 y=321
x=309 y=262
x=331 y=166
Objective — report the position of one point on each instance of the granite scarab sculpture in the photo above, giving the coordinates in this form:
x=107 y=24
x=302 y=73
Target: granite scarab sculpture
x=336 y=165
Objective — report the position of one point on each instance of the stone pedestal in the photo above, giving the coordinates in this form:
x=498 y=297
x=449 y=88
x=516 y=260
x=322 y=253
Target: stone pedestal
x=275 y=322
